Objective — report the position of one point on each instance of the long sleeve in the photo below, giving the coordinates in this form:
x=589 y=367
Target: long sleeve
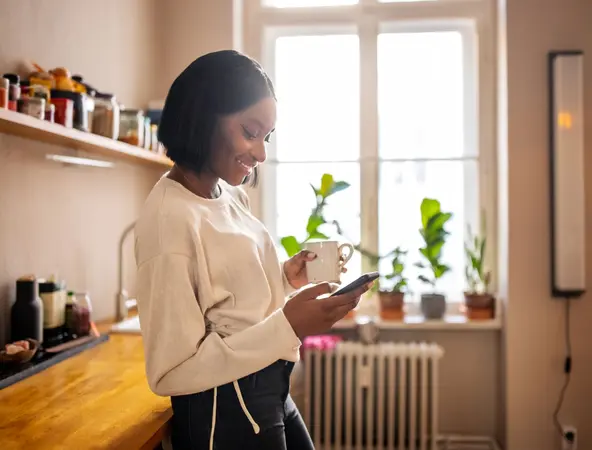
x=288 y=289
x=181 y=355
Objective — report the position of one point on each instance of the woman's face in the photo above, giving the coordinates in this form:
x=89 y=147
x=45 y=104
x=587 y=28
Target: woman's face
x=239 y=141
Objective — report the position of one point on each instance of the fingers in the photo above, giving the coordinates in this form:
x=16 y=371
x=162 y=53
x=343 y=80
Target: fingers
x=306 y=255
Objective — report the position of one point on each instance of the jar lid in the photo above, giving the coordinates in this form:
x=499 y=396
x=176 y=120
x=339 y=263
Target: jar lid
x=12 y=77
x=46 y=286
x=104 y=95
x=5 y=83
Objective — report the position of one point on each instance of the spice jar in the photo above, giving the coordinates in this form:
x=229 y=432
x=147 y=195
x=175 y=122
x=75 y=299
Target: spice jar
x=32 y=106
x=14 y=91
x=131 y=127
x=4 y=88
x=154 y=137
x=106 y=116
x=82 y=310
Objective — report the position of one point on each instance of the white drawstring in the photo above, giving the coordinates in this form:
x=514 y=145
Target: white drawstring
x=239 y=394
x=213 y=418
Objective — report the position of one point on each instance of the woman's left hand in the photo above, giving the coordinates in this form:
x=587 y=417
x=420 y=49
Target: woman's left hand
x=295 y=268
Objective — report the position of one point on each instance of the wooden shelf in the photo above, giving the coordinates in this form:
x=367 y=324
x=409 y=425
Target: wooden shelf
x=22 y=125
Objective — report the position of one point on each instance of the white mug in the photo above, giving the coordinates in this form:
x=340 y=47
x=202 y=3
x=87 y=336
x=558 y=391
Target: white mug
x=329 y=261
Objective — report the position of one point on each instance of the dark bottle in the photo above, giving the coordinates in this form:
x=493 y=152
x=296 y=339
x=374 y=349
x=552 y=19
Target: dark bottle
x=26 y=318
x=70 y=326
x=53 y=295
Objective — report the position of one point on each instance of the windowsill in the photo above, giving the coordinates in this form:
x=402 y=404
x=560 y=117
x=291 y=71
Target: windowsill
x=450 y=322
x=454 y=319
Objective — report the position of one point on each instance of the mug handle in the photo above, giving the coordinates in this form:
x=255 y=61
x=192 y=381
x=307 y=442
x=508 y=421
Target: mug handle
x=343 y=259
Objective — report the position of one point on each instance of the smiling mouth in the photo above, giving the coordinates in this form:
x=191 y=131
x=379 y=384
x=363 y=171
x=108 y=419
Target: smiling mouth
x=247 y=167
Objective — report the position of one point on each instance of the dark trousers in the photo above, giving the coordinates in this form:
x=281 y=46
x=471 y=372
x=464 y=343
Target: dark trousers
x=266 y=396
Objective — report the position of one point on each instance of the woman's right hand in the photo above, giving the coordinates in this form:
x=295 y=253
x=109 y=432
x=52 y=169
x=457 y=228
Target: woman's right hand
x=310 y=315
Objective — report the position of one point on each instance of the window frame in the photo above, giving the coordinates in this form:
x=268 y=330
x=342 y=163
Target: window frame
x=368 y=19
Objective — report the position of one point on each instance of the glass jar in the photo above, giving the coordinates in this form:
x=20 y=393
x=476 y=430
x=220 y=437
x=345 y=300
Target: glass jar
x=81 y=314
x=106 y=116
x=131 y=127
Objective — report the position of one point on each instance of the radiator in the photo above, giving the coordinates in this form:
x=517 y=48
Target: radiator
x=372 y=397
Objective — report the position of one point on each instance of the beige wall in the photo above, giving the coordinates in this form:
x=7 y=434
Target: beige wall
x=188 y=29
x=110 y=42
x=534 y=337
x=68 y=219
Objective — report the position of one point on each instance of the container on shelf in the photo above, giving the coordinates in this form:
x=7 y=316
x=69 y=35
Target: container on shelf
x=32 y=106
x=147 y=133
x=81 y=105
x=154 y=138
x=106 y=116
x=4 y=88
x=14 y=91
x=64 y=111
x=50 y=112
x=53 y=295
x=26 y=315
x=131 y=127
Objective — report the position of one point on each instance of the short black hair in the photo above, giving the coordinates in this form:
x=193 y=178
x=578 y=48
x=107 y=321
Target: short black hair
x=214 y=85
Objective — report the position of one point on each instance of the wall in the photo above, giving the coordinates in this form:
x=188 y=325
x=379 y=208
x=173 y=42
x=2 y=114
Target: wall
x=534 y=338
x=188 y=29
x=64 y=219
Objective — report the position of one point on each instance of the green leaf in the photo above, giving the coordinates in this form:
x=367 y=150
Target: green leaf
x=397 y=267
x=429 y=207
x=314 y=222
x=440 y=269
x=400 y=285
x=437 y=221
x=316 y=191
x=338 y=186
x=425 y=280
x=326 y=184
x=291 y=245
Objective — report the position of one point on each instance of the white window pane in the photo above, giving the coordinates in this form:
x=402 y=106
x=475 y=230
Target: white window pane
x=317 y=86
x=402 y=188
x=421 y=95
x=306 y=3
x=296 y=198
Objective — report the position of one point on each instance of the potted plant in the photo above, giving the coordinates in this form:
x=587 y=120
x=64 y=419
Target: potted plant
x=434 y=235
x=391 y=299
x=479 y=301
x=317 y=219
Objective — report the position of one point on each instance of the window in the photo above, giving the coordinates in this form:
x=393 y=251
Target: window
x=391 y=106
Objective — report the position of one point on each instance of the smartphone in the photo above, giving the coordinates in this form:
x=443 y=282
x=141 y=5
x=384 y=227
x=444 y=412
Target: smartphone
x=364 y=279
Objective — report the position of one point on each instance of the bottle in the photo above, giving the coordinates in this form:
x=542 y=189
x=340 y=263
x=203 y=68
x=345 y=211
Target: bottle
x=70 y=312
x=14 y=91
x=53 y=295
x=26 y=318
x=4 y=88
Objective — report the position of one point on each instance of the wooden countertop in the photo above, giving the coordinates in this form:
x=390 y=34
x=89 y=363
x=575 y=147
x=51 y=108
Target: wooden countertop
x=98 y=399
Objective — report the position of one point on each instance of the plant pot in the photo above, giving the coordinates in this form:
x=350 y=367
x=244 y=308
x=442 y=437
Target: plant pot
x=433 y=306
x=480 y=306
x=391 y=305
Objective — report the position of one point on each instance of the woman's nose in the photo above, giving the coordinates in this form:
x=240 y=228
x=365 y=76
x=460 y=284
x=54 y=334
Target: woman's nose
x=259 y=153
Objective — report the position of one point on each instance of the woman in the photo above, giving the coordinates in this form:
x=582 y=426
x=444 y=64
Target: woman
x=219 y=336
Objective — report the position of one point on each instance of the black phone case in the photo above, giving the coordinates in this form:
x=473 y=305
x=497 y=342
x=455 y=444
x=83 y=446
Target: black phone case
x=364 y=279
